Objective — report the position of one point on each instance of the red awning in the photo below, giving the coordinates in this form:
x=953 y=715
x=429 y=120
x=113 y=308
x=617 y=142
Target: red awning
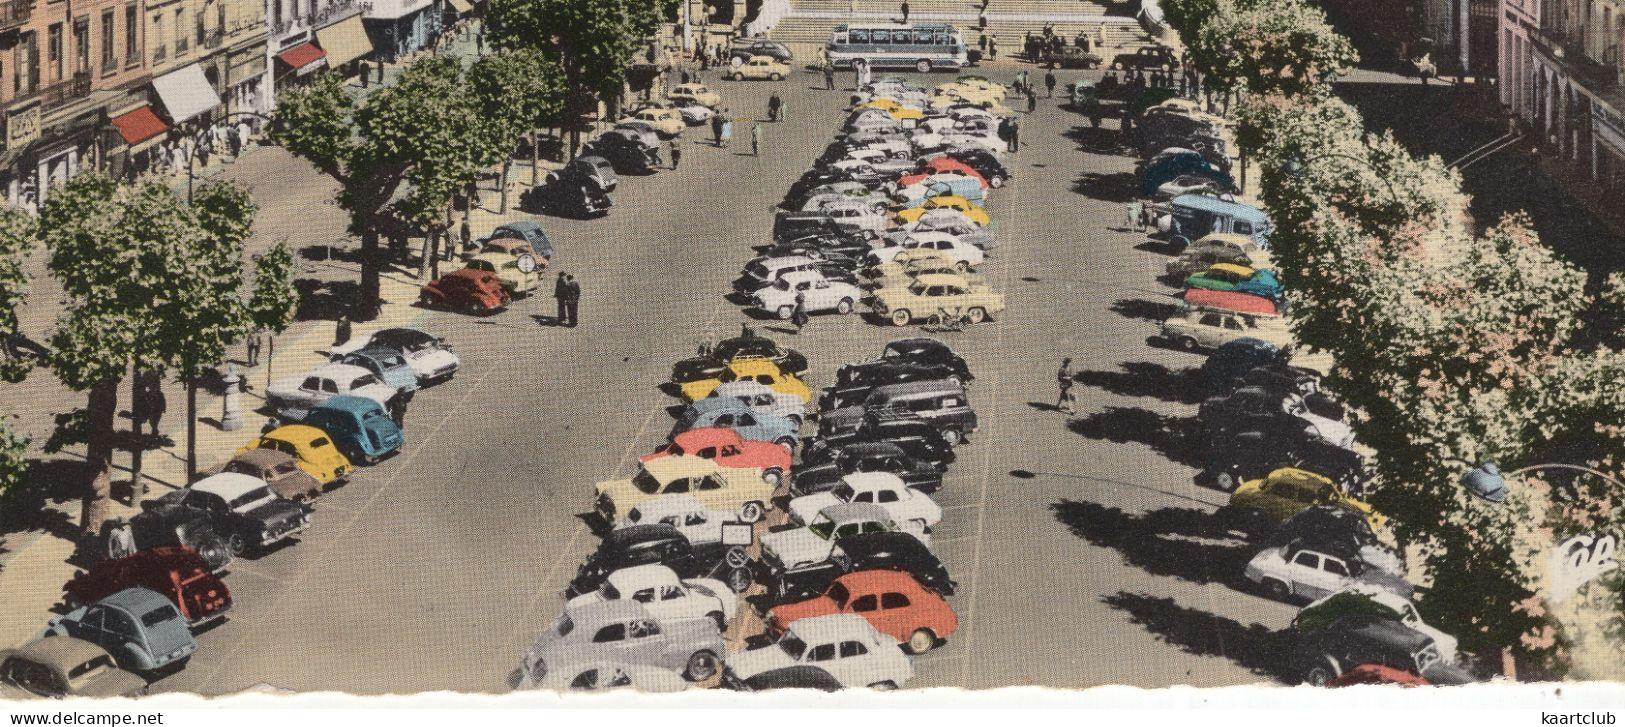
x=301 y=56
x=139 y=125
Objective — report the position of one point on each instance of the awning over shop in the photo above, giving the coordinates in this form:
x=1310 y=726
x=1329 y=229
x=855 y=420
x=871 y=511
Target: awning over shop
x=345 y=40
x=140 y=128
x=463 y=7
x=185 y=93
x=304 y=58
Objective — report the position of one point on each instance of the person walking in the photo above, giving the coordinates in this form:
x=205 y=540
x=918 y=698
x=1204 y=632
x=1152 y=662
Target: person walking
x=676 y=154
x=1032 y=101
x=993 y=47
x=905 y=12
x=716 y=130
x=255 y=341
x=1015 y=135
x=466 y=234
x=561 y=291
x=572 y=300
x=1132 y=216
x=774 y=103
x=829 y=75
x=120 y=539
x=981 y=24
x=798 y=314
x=341 y=330
x=365 y=74
x=756 y=139
x=1064 y=380
x=727 y=131
x=156 y=402
x=1049 y=83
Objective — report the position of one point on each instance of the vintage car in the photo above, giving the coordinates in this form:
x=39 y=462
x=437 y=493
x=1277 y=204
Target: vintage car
x=929 y=351
x=668 y=122
x=763 y=272
x=895 y=551
x=168 y=526
x=1239 y=279
x=361 y=429
x=695 y=114
x=847 y=215
x=1192 y=184
x=931 y=293
x=952 y=163
x=517 y=282
x=1159 y=57
x=527 y=230
x=466 y=289
x=1292 y=574
x=892 y=602
x=951 y=221
x=912 y=510
x=429 y=356
x=594 y=171
x=1375 y=602
x=1356 y=640
x=788 y=360
x=389 y=365
x=667 y=597
x=1195 y=330
x=325 y=382
x=1377 y=674
x=971 y=210
x=1230 y=301
x=312 y=448
x=749 y=422
x=1286 y=492
x=244 y=510
x=843 y=644
x=808 y=545
x=174 y=572
x=694 y=93
x=602 y=676
x=941 y=402
x=866 y=456
x=760 y=68
x=1214 y=249
x=724 y=446
x=660 y=543
x=689 y=516
x=762 y=398
x=628 y=152
x=719 y=488
x=64 y=667
x=1070 y=56
x=140 y=629
x=760 y=47
x=567 y=195
x=748 y=368
x=853 y=382
x=1255 y=408
x=278 y=469
x=913 y=436
x=984 y=162
x=913 y=265
x=800 y=676
x=624 y=631
x=964 y=254
x=818 y=293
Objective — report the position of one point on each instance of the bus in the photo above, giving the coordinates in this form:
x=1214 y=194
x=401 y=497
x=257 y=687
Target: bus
x=922 y=46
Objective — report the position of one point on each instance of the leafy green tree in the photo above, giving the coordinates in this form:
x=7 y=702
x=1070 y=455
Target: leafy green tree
x=1263 y=46
x=13 y=457
x=515 y=90
x=19 y=234
x=1187 y=16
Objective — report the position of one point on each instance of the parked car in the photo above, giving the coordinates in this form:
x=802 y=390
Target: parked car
x=1338 y=531
x=789 y=550
x=176 y=572
x=760 y=68
x=1266 y=503
x=892 y=602
x=1359 y=639
x=361 y=428
x=1374 y=602
x=162 y=526
x=763 y=399
x=601 y=676
x=1287 y=574
x=854 y=381
x=818 y=293
x=595 y=171
x=140 y=629
x=909 y=266
x=914 y=190
x=1378 y=674
x=839 y=215
x=964 y=254
x=1159 y=57
x=474 y=290
x=324 y=382
x=698 y=523
x=986 y=163
x=950 y=222
x=429 y=356
x=312 y=448
x=628 y=153
x=800 y=676
x=663 y=544
x=1252 y=408
x=1206 y=329
x=389 y=366
x=912 y=435
x=941 y=402
x=913 y=510
x=931 y=293
x=770 y=48
x=1217 y=248
x=1236 y=456
x=927 y=350
x=528 y=231
x=668 y=122
x=843 y=644
x=1240 y=279
x=896 y=551
x=724 y=446
x=749 y=422
x=243 y=509
x=971 y=210
x=667 y=597
x=859 y=457
x=789 y=360
x=1070 y=56
x=695 y=93
x=623 y=631
x=748 y=368
x=719 y=488
x=508 y=271
x=567 y=196
x=1199 y=215
x=64 y=667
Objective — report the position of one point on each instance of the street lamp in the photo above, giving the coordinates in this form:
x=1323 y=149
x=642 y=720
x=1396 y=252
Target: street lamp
x=1487 y=482
x=1298 y=168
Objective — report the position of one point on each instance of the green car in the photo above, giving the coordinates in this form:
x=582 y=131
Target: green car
x=1240 y=279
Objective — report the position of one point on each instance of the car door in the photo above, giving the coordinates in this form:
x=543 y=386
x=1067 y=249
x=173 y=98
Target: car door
x=308 y=392
x=857 y=661
x=1207 y=329
x=894 y=617
x=824 y=656
x=120 y=628
x=614 y=640
x=821 y=296
x=1303 y=572
x=1334 y=576
x=89 y=627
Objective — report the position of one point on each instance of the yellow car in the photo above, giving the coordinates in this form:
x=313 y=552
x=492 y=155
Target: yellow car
x=895 y=109
x=738 y=490
x=310 y=447
x=951 y=201
x=1288 y=491
x=695 y=93
x=929 y=294
x=667 y=122
x=506 y=267
x=760 y=67
x=749 y=368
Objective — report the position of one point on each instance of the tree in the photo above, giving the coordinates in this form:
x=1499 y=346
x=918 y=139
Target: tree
x=515 y=90
x=18 y=236
x=13 y=458
x=274 y=300
x=1274 y=46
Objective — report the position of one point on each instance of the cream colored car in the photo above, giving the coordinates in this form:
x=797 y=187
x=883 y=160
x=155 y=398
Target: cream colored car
x=694 y=93
x=1194 y=330
x=902 y=273
x=929 y=294
x=760 y=68
x=667 y=122
x=728 y=489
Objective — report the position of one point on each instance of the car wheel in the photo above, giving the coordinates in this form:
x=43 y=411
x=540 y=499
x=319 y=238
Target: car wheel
x=784 y=312
x=1117 y=66
x=788 y=443
x=1225 y=481
x=739 y=76
x=976 y=315
x=919 y=642
x=844 y=307
x=995 y=181
x=952 y=436
x=885 y=686
x=922 y=65
x=751 y=511
x=962 y=266
x=795 y=419
x=900 y=317
x=1321 y=674
x=702 y=665
x=774 y=76
x=721 y=620
x=235 y=544
x=739 y=579
x=425 y=301
x=1188 y=343
x=1277 y=590
x=736 y=557
x=773 y=477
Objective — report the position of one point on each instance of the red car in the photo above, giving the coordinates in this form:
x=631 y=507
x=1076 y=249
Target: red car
x=946 y=163
x=466 y=288
x=1378 y=674
x=175 y=572
x=729 y=450
x=1232 y=301
x=891 y=601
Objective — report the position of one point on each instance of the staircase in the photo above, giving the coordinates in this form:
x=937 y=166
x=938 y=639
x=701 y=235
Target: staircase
x=806 y=26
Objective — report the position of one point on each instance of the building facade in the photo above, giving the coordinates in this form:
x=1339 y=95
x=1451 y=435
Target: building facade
x=399 y=28
x=1570 y=80
x=309 y=37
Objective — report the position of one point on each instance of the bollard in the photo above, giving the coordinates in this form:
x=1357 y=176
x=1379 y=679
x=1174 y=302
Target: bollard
x=231 y=419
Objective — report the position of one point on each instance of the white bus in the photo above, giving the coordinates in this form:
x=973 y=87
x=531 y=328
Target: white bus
x=922 y=46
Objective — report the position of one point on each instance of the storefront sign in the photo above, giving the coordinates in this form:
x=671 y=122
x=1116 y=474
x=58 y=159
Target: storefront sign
x=1578 y=561
x=22 y=127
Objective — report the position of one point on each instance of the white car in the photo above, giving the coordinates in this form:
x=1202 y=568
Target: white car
x=1402 y=608
x=429 y=356
x=819 y=293
x=964 y=254
x=764 y=399
x=695 y=114
x=688 y=515
x=801 y=547
x=665 y=596
x=325 y=382
x=942 y=217
x=1310 y=574
x=843 y=644
x=914 y=511
x=602 y=676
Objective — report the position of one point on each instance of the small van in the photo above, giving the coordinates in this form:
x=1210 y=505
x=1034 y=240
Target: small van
x=1195 y=216
x=941 y=402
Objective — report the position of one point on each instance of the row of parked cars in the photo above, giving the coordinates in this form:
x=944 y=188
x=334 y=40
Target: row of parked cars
x=132 y=614
x=892 y=214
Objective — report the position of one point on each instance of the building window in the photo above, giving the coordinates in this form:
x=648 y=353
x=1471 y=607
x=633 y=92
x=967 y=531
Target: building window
x=181 y=44
x=131 y=55
x=197 y=22
x=81 y=46
x=276 y=13
x=162 y=51
x=26 y=64
x=220 y=18
x=109 y=57
x=54 y=51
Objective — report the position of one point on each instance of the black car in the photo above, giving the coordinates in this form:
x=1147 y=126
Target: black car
x=846 y=263
x=826 y=246
x=594 y=169
x=789 y=360
x=1281 y=417
x=1070 y=56
x=917 y=437
x=800 y=676
x=1229 y=362
x=661 y=544
x=159 y=526
x=817 y=178
x=1359 y=638
x=574 y=197
x=853 y=382
x=1147 y=57
x=625 y=155
x=1334 y=530
x=867 y=457
x=1237 y=456
x=868 y=551
x=927 y=351
x=741 y=54
x=242 y=527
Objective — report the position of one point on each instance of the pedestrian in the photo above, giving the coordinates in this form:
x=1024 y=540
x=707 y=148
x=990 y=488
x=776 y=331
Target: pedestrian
x=905 y=12
x=1021 y=81
x=716 y=130
x=1132 y=216
x=479 y=43
x=156 y=402
x=798 y=314
x=981 y=23
x=727 y=132
x=773 y=104
x=756 y=139
x=466 y=234
x=236 y=143
x=365 y=73
x=397 y=407
x=1091 y=109
x=1063 y=378
x=341 y=330
x=981 y=42
x=1049 y=83
x=380 y=72
x=1032 y=101
x=829 y=76
x=255 y=341
x=572 y=300
x=684 y=75
x=676 y=154
x=1015 y=135
x=984 y=5
x=993 y=47
x=706 y=346
x=120 y=539
x=561 y=290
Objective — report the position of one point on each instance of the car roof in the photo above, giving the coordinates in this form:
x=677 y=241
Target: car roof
x=621 y=538
x=596 y=615
x=469 y=273
x=351 y=404
x=62 y=651
x=873 y=480
x=707 y=435
x=263 y=458
x=777 y=263
x=741 y=387
x=672 y=502
x=1299 y=476
x=802 y=275
x=1213 y=204
x=1233 y=269
x=626 y=580
x=339 y=371
x=884 y=545
x=228 y=485
x=136 y=600
x=855 y=511
x=669 y=468
x=831 y=627
x=877 y=579
x=942 y=279
x=921 y=386
x=297 y=433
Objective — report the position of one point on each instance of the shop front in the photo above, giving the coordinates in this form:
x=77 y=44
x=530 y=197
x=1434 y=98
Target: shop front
x=298 y=64
x=140 y=130
x=399 y=28
x=187 y=97
x=247 y=80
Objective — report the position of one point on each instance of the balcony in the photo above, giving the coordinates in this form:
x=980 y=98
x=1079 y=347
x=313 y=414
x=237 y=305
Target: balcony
x=61 y=93
x=15 y=12
x=212 y=40
x=1595 y=75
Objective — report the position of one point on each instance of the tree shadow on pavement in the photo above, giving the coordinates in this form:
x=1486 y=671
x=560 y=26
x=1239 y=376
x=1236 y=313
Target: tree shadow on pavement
x=1146 y=310
x=325 y=299
x=1144 y=378
x=1252 y=646
x=1184 y=543
x=1180 y=439
x=331 y=253
x=1093 y=140
x=43 y=500
x=1119 y=187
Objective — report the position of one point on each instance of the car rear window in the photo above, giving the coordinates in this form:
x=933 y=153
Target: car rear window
x=319 y=442
x=159 y=615
x=254 y=495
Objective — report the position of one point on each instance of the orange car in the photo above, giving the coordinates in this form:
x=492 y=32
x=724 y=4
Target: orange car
x=891 y=601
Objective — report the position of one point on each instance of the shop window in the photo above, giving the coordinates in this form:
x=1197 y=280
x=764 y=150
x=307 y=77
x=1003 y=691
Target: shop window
x=54 y=51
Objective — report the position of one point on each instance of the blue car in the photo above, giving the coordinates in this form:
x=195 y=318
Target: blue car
x=749 y=423
x=390 y=366
x=138 y=627
x=1263 y=284
x=1173 y=163
x=359 y=427
x=968 y=188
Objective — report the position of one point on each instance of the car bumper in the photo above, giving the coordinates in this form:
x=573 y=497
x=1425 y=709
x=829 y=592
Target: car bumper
x=283 y=532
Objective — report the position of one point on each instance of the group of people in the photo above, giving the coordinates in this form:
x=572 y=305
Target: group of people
x=173 y=157
x=1048 y=41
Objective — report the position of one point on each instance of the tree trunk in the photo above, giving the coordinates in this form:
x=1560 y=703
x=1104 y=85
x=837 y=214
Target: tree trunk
x=438 y=238
x=367 y=308
x=101 y=409
x=428 y=259
x=138 y=413
x=502 y=204
x=191 y=429
x=535 y=157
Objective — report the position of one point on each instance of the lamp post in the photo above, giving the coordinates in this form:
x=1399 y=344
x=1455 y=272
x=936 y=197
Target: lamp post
x=1297 y=168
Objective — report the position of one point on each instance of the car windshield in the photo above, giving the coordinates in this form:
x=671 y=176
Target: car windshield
x=159 y=615
x=839 y=594
x=822 y=528
x=252 y=496
x=564 y=626
x=793 y=646
x=843 y=492
x=646 y=483
x=361 y=381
